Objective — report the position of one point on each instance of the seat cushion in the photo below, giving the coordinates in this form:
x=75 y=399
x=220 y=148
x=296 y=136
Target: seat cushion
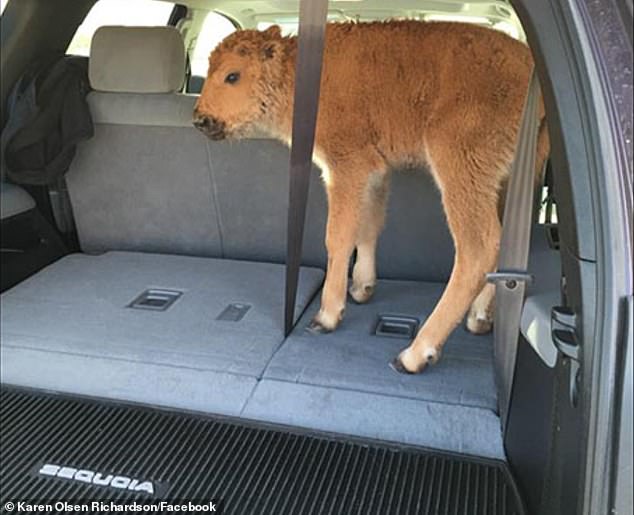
x=342 y=381
x=353 y=358
x=74 y=321
x=435 y=425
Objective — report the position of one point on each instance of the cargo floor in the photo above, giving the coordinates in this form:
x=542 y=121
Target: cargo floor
x=219 y=348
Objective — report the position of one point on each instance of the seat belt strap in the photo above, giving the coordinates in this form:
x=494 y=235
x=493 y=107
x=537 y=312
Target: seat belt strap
x=312 y=25
x=511 y=277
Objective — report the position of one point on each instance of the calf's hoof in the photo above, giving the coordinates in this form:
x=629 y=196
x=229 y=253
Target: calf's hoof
x=479 y=323
x=315 y=327
x=361 y=293
x=397 y=366
x=410 y=362
x=322 y=323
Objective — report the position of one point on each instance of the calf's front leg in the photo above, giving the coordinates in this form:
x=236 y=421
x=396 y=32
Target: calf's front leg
x=345 y=196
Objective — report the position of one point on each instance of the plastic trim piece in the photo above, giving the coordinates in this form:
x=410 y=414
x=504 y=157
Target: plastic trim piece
x=535 y=325
x=396 y=326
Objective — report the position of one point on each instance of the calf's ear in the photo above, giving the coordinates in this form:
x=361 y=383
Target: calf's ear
x=273 y=32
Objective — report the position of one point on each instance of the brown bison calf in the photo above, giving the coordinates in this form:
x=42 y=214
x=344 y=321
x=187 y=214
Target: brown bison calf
x=445 y=95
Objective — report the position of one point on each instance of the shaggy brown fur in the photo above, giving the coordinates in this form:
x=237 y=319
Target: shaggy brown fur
x=445 y=95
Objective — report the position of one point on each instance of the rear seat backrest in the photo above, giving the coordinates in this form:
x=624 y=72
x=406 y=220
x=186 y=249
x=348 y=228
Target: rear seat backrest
x=148 y=181
x=142 y=182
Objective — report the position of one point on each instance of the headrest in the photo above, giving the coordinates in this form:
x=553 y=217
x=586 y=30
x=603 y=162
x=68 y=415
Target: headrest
x=137 y=60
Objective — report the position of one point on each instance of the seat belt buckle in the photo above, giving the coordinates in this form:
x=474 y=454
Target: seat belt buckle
x=510 y=278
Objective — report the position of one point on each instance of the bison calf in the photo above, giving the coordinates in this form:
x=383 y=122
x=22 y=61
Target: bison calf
x=445 y=95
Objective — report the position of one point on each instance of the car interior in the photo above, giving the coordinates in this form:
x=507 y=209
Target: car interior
x=174 y=297
x=154 y=274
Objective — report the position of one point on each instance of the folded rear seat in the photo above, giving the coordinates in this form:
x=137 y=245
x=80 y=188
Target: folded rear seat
x=145 y=201
x=71 y=328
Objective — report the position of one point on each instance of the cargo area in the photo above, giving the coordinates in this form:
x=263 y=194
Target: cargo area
x=175 y=298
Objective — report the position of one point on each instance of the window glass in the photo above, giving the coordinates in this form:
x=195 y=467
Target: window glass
x=3 y=4
x=216 y=27
x=118 y=12
x=289 y=25
x=288 y=28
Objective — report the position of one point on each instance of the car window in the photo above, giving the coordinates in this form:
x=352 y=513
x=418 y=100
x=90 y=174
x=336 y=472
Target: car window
x=510 y=26
x=290 y=24
x=288 y=28
x=215 y=28
x=118 y=12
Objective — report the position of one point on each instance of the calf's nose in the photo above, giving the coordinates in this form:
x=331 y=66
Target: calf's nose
x=201 y=122
x=209 y=126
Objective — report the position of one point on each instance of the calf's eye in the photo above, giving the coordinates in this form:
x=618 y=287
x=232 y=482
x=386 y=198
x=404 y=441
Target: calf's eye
x=232 y=78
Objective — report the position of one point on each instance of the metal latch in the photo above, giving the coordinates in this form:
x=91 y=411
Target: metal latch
x=510 y=278
x=563 y=327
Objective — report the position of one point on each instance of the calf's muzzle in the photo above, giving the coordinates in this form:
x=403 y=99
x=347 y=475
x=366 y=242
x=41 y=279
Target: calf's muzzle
x=210 y=126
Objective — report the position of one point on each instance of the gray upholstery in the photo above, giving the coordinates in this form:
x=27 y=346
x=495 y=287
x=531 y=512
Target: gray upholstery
x=75 y=315
x=143 y=181
x=137 y=60
x=13 y=200
x=255 y=172
x=449 y=427
x=354 y=359
x=134 y=188
x=144 y=188
x=415 y=244
x=195 y=197
x=69 y=328
x=251 y=179
x=123 y=380
x=148 y=181
x=159 y=110
x=342 y=382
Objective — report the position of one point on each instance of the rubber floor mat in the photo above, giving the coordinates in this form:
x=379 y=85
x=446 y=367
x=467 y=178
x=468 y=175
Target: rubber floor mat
x=57 y=448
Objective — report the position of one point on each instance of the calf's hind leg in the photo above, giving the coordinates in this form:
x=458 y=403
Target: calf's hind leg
x=469 y=196
x=370 y=226
x=480 y=317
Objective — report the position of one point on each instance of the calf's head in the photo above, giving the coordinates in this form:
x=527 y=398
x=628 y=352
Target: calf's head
x=245 y=70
